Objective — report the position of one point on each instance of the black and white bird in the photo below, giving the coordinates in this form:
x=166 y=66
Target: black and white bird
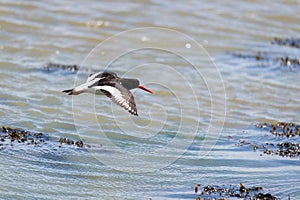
x=114 y=87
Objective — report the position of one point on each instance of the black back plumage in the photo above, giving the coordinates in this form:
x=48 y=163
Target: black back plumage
x=122 y=96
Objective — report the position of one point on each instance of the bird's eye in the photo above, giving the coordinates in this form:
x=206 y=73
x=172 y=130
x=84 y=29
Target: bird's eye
x=91 y=74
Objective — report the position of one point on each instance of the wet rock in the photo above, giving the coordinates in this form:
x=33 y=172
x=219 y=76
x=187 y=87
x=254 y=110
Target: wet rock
x=210 y=192
x=290 y=42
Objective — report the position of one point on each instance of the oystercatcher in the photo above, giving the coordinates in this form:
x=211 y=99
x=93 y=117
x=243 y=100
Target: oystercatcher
x=114 y=87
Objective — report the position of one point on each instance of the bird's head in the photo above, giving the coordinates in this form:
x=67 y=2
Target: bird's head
x=133 y=83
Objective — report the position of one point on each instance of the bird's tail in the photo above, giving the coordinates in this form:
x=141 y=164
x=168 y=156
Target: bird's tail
x=79 y=89
x=69 y=92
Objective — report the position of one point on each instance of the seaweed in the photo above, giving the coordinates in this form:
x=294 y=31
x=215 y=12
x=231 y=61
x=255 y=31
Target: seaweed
x=54 y=66
x=290 y=42
x=74 y=68
x=285 y=132
x=12 y=136
x=210 y=192
x=268 y=59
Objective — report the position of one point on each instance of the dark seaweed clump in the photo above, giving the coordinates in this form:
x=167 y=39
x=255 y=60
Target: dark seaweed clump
x=257 y=56
x=69 y=68
x=285 y=61
x=281 y=129
x=267 y=59
x=14 y=135
x=213 y=192
x=287 y=133
x=10 y=136
x=54 y=66
x=78 y=143
x=290 y=42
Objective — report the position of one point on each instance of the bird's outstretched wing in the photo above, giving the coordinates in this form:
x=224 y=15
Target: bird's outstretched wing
x=119 y=95
x=102 y=75
x=93 y=76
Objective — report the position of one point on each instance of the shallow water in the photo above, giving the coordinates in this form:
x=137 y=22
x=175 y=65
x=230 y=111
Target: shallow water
x=179 y=139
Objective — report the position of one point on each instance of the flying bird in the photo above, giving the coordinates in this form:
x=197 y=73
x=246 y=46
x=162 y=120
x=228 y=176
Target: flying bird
x=114 y=87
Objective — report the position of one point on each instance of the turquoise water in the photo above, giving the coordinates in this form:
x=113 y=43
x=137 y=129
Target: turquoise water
x=202 y=95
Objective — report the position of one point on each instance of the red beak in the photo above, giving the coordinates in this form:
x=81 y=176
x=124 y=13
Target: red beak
x=143 y=88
